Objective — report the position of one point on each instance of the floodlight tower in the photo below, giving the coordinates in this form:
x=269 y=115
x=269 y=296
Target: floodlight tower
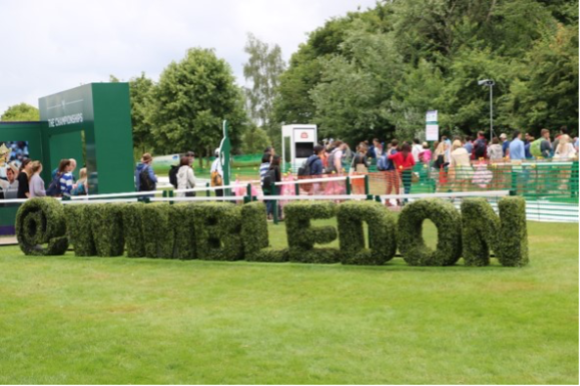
x=489 y=83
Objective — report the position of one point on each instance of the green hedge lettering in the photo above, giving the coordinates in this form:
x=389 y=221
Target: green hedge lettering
x=78 y=225
x=480 y=226
x=217 y=228
x=107 y=227
x=410 y=233
x=512 y=249
x=41 y=227
x=381 y=229
x=302 y=235
x=255 y=235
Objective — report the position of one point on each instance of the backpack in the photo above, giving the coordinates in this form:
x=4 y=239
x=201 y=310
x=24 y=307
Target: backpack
x=304 y=170
x=383 y=163
x=145 y=182
x=479 y=149
x=331 y=168
x=536 y=147
x=54 y=187
x=269 y=179
x=173 y=175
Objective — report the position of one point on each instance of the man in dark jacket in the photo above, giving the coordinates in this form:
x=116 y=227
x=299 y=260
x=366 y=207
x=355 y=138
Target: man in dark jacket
x=314 y=161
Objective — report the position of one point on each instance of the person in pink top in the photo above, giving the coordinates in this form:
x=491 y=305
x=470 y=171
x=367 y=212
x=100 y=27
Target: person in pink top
x=426 y=155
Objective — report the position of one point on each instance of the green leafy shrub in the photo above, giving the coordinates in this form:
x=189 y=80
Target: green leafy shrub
x=132 y=230
x=381 y=229
x=410 y=233
x=217 y=228
x=107 y=228
x=255 y=235
x=183 y=230
x=480 y=226
x=41 y=227
x=302 y=235
x=157 y=229
x=512 y=246
x=78 y=225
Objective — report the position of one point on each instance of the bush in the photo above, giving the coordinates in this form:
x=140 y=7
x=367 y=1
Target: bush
x=132 y=230
x=107 y=227
x=255 y=235
x=410 y=233
x=381 y=230
x=302 y=236
x=217 y=228
x=157 y=228
x=78 y=225
x=41 y=227
x=182 y=216
x=480 y=226
x=512 y=246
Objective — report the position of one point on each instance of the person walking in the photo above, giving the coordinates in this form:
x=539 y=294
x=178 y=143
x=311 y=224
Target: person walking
x=505 y=144
x=81 y=187
x=66 y=177
x=460 y=171
x=426 y=154
x=36 y=182
x=495 y=151
x=479 y=147
x=404 y=163
x=145 y=178
x=217 y=174
x=416 y=150
x=391 y=174
x=185 y=177
x=23 y=178
x=516 y=148
x=359 y=166
x=269 y=188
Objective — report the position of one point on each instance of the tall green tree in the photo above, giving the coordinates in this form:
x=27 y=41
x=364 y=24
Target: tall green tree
x=20 y=112
x=262 y=71
x=140 y=90
x=190 y=101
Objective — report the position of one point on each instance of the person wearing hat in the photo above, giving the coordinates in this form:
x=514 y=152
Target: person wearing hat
x=217 y=173
x=145 y=178
x=505 y=144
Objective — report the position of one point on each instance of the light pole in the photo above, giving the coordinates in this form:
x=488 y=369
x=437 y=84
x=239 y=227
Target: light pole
x=489 y=83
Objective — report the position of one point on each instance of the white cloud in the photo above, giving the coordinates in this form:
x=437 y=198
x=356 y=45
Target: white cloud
x=50 y=46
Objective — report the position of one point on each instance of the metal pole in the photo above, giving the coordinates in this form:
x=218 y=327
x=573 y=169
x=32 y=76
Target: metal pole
x=490 y=113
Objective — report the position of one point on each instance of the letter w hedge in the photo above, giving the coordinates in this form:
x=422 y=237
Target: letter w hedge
x=225 y=231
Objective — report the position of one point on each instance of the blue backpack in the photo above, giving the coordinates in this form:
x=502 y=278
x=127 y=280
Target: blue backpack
x=383 y=163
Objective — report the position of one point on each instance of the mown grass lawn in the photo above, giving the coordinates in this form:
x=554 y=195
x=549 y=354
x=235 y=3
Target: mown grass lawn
x=120 y=320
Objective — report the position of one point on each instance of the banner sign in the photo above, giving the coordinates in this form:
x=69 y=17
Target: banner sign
x=432 y=126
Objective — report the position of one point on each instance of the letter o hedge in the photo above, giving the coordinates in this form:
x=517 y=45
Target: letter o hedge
x=41 y=227
x=410 y=233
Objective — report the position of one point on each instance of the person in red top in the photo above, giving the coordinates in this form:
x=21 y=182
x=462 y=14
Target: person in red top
x=404 y=163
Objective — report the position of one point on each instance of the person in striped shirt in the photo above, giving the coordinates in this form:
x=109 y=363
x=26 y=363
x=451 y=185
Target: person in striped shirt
x=65 y=179
x=265 y=165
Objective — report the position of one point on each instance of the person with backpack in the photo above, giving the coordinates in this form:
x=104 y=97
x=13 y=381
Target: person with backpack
x=145 y=178
x=62 y=180
x=272 y=176
x=386 y=165
x=185 y=177
x=479 y=147
x=335 y=159
x=36 y=183
x=542 y=147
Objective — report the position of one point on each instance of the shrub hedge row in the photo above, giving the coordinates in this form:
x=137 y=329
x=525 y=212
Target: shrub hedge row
x=222 y=231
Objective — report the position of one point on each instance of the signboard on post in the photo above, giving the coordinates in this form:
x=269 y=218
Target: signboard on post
x=431 y=126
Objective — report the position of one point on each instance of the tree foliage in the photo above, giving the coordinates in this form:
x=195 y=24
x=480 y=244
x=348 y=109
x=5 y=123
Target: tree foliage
x=22 y=112
x=190 y=101
x=376 y=72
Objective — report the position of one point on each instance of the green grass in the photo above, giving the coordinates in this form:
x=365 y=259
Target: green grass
x=120 y=320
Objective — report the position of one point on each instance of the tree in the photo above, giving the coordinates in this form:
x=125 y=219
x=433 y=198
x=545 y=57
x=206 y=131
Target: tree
x=254 y=141
x=263 y=70
x=140 y=90
x=192 y=98
x=22 y=112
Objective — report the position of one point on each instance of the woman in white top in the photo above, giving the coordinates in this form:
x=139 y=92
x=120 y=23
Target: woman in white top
x=36 y=183
x=564 y=151
x=460 y=166
x=185 y=177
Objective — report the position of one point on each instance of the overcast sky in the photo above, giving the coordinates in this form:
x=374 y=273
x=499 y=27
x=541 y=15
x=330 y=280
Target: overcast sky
x=50 y=46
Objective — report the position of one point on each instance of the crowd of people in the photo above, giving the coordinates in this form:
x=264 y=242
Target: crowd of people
x=26 y=181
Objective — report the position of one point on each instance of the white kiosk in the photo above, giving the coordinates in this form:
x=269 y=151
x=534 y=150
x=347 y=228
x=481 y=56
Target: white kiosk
x=302 y=139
